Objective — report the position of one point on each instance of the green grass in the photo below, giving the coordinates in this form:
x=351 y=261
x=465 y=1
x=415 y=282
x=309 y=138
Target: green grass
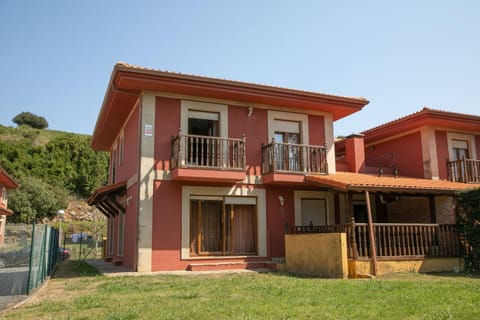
x=252 y=296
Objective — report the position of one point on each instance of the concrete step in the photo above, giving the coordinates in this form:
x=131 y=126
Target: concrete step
x=231 y=265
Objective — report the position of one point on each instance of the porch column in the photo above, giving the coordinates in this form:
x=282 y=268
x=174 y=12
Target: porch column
x=373 y=248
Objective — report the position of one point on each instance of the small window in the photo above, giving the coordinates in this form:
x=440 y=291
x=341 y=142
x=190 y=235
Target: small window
x=113 y=177
x=121 y=146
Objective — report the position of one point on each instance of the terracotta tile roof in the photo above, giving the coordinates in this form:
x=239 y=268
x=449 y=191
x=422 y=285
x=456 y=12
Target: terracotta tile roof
x=180 y=74
x=360 y=182
x=426 y=111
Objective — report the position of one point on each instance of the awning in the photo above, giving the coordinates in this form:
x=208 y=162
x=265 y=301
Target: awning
x=348 y=181
x=106 y=199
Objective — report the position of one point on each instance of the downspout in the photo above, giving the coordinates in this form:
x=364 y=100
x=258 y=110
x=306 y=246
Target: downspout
x=373 y=248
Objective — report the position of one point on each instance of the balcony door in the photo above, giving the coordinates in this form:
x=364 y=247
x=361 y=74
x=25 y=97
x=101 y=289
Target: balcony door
x=201 y=150
x=460 y=150
x=287 y=150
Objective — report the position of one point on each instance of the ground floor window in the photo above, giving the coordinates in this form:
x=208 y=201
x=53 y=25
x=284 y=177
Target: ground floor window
x=223 y=225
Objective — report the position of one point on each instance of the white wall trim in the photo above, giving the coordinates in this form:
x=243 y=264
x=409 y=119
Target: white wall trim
x=429 y=153
x=328 y=196
x=330 y=143
x=260 y=194
x=146 y=177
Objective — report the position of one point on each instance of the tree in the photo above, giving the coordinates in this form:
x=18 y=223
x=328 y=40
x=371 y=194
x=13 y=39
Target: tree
x=30 y=119
x=35 y=200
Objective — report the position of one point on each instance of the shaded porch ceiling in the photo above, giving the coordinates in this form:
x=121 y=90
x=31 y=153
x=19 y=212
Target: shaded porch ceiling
x=105 y=199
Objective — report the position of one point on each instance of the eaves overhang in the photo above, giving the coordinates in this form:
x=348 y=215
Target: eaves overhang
x=128 y=82
x=422 y=118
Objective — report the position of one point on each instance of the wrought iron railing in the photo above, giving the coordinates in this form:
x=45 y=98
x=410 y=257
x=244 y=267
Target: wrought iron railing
x=195 y=151
x=464 y=170
x=289 y=157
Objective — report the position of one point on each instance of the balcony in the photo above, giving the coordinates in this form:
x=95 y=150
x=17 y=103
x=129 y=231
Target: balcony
x=204 y=158
x=288 y=162
x=464 y=170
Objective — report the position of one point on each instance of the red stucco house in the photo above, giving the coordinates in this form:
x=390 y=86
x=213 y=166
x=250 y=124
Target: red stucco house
x=6 y=183
x=209 y=173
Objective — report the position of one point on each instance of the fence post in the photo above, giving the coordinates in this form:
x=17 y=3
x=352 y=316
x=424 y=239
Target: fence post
x=80 y=253
x=31 y=258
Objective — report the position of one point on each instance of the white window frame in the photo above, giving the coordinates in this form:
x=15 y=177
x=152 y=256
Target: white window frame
x=189 y=192
x=221 y=109
x=276 y=120
x=321 y=195
x=451 y=136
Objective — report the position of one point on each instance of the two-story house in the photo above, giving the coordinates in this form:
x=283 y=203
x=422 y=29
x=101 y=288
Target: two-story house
x=208 y=172
x=6 y=183
x=211 y=174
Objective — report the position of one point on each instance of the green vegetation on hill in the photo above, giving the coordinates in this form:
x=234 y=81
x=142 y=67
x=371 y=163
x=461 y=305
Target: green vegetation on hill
x=51 y=164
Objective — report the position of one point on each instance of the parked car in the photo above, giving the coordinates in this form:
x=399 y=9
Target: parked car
x=64 y=253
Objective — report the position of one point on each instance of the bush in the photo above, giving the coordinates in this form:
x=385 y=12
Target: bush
x=468 y=203
x=30 y=119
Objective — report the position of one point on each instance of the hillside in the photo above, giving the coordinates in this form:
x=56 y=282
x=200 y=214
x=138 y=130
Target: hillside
x=52 y=167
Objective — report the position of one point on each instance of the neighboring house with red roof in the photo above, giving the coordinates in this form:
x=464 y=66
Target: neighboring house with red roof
x=209 y=173
x=6 y=183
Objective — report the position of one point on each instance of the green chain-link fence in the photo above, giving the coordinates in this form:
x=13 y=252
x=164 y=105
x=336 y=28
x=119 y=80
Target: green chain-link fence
x=28 y=255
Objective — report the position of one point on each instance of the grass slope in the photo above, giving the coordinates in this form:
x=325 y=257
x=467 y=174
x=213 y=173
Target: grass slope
x=77 y=292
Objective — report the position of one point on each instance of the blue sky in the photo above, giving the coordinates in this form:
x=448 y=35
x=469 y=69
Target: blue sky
x=56 y=56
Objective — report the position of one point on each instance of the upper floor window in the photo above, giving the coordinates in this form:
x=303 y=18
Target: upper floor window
x=287 y=127
x=461 y=146
x=203 y=118
x=460 y=149
x=113 y=177
x=121 y=148
x=203 y=123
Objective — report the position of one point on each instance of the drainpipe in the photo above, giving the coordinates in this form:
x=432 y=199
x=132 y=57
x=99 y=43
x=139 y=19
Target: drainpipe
x=373 y=249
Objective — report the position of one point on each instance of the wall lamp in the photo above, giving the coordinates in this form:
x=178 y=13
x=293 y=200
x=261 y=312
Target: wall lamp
x=281 y=199
x=250 y=112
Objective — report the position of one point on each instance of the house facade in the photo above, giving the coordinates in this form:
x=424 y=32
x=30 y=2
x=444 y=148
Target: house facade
x=6 y=184
x=209 y=172
x=213 y=174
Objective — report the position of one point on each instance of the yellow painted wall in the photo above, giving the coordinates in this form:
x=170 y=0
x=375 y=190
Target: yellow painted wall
x=362 y=267
x=323 y=255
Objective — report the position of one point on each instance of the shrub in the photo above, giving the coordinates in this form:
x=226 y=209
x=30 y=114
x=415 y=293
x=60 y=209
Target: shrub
x=30 y=119
x=468 y=203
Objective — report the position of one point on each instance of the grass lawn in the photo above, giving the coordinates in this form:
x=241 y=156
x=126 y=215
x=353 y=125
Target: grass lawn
x=78 y=292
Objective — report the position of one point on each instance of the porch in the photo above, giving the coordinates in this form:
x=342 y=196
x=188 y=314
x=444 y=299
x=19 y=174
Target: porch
x=393 y=240
x=399 y=247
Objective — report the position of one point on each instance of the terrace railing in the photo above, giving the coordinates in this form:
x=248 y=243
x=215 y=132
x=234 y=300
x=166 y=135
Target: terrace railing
x=394 y=239
x=464 y=170
x=293 y=158
x=195 y=151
